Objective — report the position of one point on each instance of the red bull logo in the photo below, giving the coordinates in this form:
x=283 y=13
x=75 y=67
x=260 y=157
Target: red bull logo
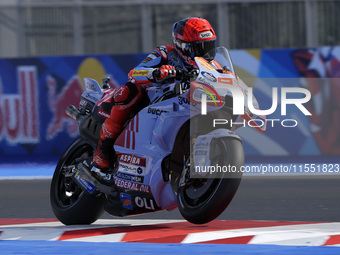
x=70 y=94
x=19 y=117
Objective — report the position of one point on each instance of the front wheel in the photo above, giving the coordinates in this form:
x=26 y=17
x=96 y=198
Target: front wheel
x=70 y=204
x=201 y=200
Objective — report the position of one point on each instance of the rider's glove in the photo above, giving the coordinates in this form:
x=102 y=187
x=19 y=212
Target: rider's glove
x=164 y=72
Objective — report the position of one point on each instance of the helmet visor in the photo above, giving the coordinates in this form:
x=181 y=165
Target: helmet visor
x=202 y=48
x=198 y=49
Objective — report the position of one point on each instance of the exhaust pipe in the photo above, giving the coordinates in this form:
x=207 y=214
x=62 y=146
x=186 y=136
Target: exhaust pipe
x=73 y=112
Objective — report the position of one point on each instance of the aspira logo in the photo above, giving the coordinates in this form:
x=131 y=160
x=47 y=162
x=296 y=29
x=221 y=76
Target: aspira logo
x=239 y=104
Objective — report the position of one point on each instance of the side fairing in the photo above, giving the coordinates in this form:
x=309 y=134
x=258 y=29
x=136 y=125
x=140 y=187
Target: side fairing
x=144 y=143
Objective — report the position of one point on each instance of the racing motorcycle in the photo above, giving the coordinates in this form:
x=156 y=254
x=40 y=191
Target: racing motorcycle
x=164 y=151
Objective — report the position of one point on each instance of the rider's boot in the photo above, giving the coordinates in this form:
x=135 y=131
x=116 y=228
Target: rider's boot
x=105 y=156
x=105 y=159
x=128 y=100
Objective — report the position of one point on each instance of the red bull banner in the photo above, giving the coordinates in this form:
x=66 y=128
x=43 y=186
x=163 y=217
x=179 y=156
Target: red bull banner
x=34 y=93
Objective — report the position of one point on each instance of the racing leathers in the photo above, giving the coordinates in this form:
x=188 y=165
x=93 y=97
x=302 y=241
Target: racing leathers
x=132 y=97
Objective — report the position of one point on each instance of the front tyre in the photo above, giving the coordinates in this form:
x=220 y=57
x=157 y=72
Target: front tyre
x=70 y=204
x=201 y=200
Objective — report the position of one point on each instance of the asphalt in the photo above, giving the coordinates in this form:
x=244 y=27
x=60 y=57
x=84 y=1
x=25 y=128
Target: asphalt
x=278 y=198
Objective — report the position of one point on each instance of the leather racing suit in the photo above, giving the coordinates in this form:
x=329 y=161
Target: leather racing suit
x=130 y=98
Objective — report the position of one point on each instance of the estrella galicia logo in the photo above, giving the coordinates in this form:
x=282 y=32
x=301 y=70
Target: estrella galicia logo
x=209 y=76
x=126 y=201
x=130 y=177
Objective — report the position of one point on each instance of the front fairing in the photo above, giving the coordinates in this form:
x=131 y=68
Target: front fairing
x=217 y=80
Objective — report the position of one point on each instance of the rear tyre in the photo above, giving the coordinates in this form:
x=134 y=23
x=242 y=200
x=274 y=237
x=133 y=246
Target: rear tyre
x=70 y=204
x=202 y=200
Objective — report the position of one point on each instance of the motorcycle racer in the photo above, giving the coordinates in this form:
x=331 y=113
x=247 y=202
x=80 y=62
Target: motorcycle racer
x=191 y=37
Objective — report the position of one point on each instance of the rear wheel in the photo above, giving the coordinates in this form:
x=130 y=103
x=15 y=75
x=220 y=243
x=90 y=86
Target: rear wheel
x=200 y=200
x=70 y=204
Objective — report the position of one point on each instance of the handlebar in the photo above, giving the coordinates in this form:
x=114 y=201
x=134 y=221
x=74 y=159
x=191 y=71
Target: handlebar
x=182 y=74
x=178 y=74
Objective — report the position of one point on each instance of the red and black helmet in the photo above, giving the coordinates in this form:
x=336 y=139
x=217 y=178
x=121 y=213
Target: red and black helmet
x=193 y=37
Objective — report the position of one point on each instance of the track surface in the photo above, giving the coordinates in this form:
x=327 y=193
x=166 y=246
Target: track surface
x=276 y=215
x=281 y=198
x=174 y=231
